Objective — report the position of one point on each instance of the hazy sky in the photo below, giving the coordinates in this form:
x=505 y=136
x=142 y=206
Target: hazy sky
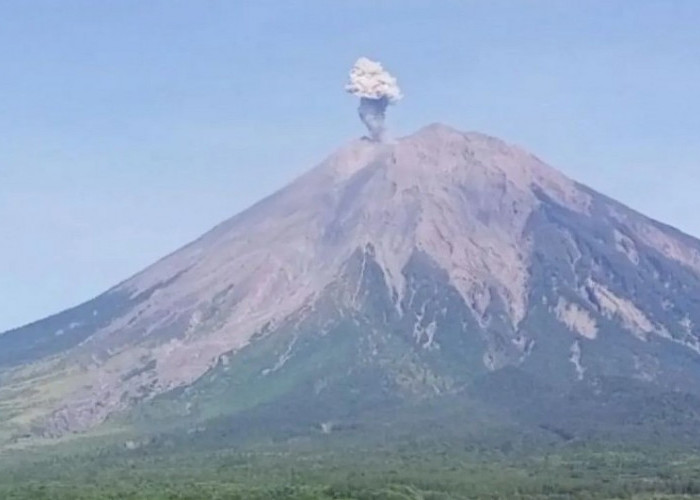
x=127 y=128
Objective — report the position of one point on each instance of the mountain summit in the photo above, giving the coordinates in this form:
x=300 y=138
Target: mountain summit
x=444 y=267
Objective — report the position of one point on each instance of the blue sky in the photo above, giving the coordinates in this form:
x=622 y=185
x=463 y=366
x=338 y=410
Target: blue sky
x=127 y=128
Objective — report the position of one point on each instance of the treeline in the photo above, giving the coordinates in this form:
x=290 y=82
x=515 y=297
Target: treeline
x=354 y=474
x=185 y=491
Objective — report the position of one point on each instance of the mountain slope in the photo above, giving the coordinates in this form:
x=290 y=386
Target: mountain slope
x=443 y=267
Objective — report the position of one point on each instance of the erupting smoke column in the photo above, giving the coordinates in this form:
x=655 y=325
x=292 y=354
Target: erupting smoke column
x=376 y=89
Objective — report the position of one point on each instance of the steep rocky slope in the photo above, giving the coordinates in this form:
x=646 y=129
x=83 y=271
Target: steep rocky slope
x=444 y=266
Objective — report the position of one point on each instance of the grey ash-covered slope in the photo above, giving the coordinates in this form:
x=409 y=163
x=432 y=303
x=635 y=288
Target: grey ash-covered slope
x=445 y=267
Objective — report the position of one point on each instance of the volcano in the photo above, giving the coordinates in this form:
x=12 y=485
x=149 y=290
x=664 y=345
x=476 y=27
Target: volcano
x=445 y=274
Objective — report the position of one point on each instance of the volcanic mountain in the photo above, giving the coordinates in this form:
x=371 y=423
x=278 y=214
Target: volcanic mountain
x=442 y=270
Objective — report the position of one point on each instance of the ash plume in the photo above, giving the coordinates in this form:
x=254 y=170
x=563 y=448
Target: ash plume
x=376 y=89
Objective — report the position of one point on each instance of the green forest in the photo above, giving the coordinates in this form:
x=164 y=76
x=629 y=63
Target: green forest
x=306 y=470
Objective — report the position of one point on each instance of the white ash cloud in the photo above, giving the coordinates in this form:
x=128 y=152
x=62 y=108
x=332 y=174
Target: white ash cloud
x=376 y=89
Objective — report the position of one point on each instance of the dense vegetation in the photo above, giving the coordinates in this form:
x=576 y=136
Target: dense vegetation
x=641 y=447
x=334 y=469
